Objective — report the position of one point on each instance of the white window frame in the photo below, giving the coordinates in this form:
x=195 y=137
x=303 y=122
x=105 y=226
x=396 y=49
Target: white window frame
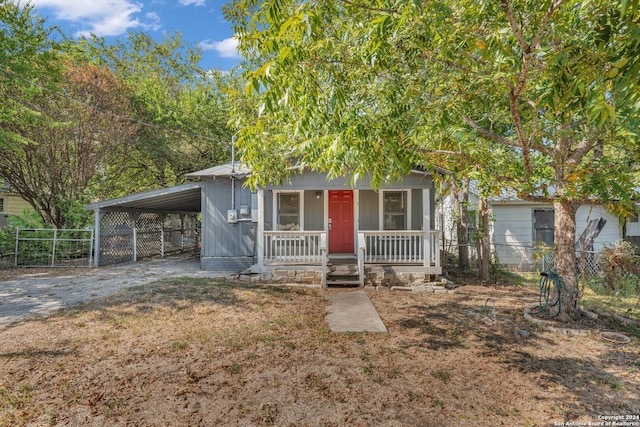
x=633 y=226
x=276 y=206
x=533 y=224
x=407 y=194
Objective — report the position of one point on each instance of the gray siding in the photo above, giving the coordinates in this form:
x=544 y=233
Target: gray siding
x=416 y=209
x=268 y=210
x=313 y=211
x=318 y=181
x=228 y=264
x=221 y=239
x=369 y=210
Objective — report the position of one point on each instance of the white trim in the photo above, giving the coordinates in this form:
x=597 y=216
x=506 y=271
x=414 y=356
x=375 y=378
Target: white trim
x=356 y=219
x=276 y=193
x=260 y=230
x=407 y=192
x=533 y=221
x=355 y=199
x=325 y=207
x=426 y=227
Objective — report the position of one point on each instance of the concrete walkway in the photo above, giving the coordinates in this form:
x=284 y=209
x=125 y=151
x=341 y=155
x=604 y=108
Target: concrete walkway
x=353 y=312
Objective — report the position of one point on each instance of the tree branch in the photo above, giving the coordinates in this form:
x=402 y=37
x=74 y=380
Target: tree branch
x=515 y=92
x=584 y=146
x=517 y=32
x=370 y=8
x=487 y=134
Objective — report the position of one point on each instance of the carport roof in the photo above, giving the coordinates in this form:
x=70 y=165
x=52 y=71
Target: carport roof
x=181 y=198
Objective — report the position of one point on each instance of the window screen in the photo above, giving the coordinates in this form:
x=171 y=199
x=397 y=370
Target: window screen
x=543 y=226
x=395 y=210
x=288 y=211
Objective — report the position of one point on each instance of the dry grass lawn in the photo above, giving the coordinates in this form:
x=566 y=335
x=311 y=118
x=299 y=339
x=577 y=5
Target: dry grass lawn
x=198 y=352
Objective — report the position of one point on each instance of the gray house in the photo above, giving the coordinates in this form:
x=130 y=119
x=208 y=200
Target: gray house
x=311 y=229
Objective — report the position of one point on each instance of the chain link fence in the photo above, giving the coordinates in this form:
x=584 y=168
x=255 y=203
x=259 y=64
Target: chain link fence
x=528 y=258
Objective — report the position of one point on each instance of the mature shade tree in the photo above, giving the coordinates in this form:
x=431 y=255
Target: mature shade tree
x=26 y=56
x=538 y=96
x=77 y=131
x=181 y=109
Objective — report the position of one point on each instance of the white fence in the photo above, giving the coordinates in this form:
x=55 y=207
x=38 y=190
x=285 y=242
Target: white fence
x=44 y=247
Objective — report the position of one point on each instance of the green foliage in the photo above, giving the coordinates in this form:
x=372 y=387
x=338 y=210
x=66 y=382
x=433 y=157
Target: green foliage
x=27 y=54
x=29 y=219
x=182 y=111
x=538 y=97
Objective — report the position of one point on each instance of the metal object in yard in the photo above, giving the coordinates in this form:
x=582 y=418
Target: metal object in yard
x=494 y=320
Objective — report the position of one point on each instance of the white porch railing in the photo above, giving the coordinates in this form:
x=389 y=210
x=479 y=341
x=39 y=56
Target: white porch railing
x=293 y=247
x=374 y=247
x=402 y=247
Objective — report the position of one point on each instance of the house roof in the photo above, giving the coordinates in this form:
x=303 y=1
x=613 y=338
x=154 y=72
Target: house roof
x=236 y=169
x=181 y=198
x=239 y=169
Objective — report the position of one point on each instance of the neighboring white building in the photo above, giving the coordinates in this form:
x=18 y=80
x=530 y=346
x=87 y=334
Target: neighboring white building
x=518 y=226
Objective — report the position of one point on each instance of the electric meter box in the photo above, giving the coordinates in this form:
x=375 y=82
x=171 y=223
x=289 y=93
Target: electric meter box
x=232 y=216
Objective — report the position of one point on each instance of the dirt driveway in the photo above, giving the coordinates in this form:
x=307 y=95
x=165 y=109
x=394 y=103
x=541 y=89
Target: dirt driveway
x=38 y=292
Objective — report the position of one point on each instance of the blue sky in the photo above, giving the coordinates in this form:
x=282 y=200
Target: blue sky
x=201 y=22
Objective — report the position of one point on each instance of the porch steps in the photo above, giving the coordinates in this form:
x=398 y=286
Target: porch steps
x=343 y=273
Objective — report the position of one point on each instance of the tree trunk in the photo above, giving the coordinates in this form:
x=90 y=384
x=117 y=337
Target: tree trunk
x=565 y=258
x=484 y=253
x=460 y=200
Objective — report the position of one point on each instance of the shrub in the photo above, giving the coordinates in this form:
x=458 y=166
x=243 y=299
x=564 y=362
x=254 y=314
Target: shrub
x=620 y=267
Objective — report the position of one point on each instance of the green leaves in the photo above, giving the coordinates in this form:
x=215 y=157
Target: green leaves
x=518 y=96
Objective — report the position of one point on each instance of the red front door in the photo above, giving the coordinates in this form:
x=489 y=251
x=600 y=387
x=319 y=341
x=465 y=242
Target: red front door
x=341 y=221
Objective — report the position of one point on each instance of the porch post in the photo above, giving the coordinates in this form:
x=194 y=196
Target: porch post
x=96 y=236
x=426 y=225
x=134 y=236
x=260 y=230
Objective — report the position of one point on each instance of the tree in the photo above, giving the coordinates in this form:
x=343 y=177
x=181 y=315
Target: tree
x=538 y=96
x=74 y=135
x=181 y=108
x=27 y=54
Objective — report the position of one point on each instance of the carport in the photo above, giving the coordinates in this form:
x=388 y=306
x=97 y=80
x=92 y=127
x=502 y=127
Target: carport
x=152 y=223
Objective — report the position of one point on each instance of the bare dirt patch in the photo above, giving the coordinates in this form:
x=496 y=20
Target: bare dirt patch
x=200 y=352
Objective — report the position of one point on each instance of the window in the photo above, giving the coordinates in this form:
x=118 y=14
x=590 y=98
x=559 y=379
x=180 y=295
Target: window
x=395 y=210
x=2 y=204
x=633 y=226
x=288 y=213
x=543 y=226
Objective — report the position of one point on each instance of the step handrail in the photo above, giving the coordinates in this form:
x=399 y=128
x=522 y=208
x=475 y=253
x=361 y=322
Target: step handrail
x=362 y=250
x=323 y=253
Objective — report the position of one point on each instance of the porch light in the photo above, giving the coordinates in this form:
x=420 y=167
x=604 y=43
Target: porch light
x=318 y=194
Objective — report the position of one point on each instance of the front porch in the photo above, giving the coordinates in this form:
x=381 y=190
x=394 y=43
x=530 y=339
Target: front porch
x=304 y=255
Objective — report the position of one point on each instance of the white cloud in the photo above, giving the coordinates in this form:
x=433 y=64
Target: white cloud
x=102 y=18
x=227 y=48
x=192 y=2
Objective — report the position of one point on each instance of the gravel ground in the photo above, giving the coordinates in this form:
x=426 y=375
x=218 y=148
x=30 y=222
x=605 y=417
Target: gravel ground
x=29 y=292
